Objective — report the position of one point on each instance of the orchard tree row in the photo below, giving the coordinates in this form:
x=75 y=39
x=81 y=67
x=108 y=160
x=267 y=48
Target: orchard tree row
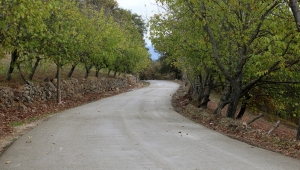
x=247 y=48
x=95 y=33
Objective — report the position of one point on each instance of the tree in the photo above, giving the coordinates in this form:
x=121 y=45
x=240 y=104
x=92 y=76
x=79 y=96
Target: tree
x=242 y=39
x=296 y=13
x=96 y=33
x=21 y=24
x=61 y=35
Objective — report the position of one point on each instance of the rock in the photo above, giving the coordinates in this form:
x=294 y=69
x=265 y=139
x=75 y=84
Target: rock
x=22 y=107
x=48 y=94
x=2 y=106
x=26 y=98
x=44 y=106
x=45 y=91
x=54 y=81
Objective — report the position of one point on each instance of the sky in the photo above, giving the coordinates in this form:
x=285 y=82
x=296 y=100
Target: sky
x=145 y=8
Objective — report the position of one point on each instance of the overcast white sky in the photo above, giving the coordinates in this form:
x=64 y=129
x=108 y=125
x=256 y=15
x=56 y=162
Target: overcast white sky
x=146 y=8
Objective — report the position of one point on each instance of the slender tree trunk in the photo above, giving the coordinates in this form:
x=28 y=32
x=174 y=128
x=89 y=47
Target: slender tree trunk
x=115 y=73
x=14 y=57
x=224 y=99
x=72 y=70
x=33 y=69
x=221 y=83
x=221 y=105
x=108 y=73
x=97 y=71
x=242 y=111
x=58 y=84
x=87 y=71
x=21 y=74
x=200 y=89
x=298 y=133
x=243 y=107
x=207 y=93
x=56 y=74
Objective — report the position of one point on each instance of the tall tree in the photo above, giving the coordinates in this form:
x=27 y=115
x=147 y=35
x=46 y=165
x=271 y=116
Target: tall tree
x=21 y=23
x=244 y=40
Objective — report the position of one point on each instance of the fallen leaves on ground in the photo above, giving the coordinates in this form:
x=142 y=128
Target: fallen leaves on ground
x=282 y=140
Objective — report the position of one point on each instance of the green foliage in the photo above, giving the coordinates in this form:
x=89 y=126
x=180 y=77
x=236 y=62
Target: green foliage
x=93 y=32
x=251 y=44
x=159 y=70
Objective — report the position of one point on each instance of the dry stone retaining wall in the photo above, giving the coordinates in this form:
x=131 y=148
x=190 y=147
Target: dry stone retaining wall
x=44 y=91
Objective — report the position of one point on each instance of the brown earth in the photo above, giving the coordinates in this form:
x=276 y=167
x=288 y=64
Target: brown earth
x=282 y=140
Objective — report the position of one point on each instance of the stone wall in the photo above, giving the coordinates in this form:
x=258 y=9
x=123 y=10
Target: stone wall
x=10 y=98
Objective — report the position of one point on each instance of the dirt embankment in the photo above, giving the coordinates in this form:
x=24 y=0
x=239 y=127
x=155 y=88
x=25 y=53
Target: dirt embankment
x=282 y=140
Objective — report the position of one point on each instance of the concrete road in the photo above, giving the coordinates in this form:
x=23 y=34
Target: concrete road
x=136 y=130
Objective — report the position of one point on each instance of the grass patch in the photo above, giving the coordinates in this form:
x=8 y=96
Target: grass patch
x=14 y=124
x=145 y=83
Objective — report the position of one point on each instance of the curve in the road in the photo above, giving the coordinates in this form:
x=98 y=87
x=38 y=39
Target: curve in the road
x=134 y=130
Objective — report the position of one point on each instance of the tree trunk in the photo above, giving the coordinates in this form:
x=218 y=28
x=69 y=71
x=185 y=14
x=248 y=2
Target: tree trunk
x=115 y=73
x=87 y=71
x=72 y=70
x=296 y=12
x=14 y=57
x=224 y=99
x=242 y=111
x=108 y=73
x=221 y=105
x=236 y=85
x=200 y=89
x=58 y=84
x=298 y=133
x=207 y=92
x=243 y=107
x=21 y=74
x=33 y=69
x=97 y=71
x=295 y=9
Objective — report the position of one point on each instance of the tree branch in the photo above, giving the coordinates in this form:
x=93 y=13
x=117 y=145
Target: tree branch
x=212 y=39
x=263 y=17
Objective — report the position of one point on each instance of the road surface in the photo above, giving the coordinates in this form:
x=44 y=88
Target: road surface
x=136 y=130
